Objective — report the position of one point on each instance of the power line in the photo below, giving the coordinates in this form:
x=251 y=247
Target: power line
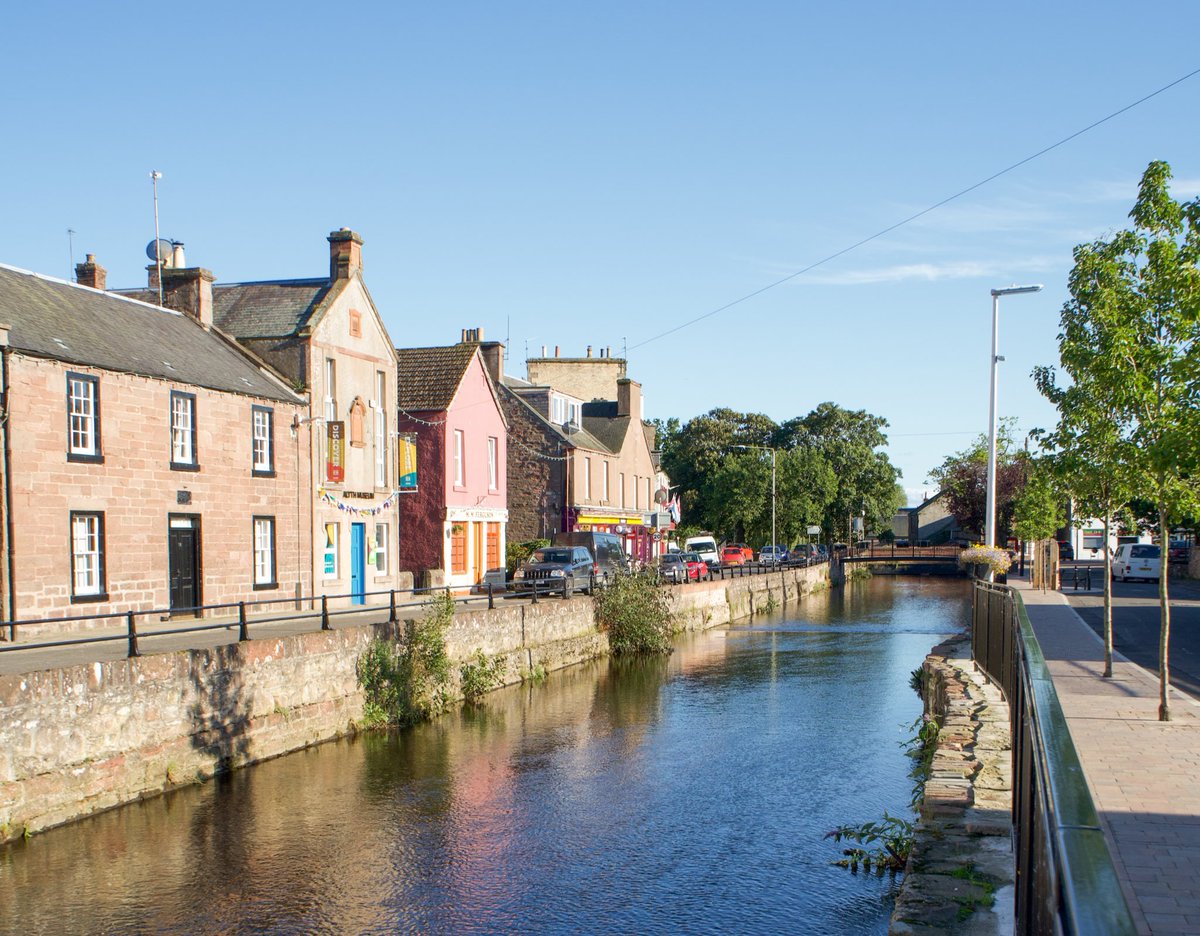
x=914 y=217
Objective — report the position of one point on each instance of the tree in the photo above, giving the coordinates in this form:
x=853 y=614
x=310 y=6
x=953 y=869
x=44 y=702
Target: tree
x=1136 y=299
x=849 y=441
x=1038 y=511
x=962 y=478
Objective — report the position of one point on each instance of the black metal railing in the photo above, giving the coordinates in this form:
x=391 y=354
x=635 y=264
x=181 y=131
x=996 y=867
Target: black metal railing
x=318 y=612
x=1065 y=878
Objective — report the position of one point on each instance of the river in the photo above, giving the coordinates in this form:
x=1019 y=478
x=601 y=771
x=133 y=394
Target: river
x=682 y=795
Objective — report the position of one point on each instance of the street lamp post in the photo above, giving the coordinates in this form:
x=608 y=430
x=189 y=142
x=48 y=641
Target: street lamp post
x=989 y=537
x=771 y=449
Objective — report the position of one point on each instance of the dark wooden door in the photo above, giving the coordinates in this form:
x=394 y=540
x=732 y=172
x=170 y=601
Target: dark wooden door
x=184 y=558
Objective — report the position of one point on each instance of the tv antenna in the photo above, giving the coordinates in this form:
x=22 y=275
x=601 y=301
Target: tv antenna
x=71 y=249
x=155 y=175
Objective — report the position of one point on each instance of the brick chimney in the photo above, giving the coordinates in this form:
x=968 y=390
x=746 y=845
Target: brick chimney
x=629 y=399
x=345 y=254
x=189 y=291
x=90 y=273
x=492 y=353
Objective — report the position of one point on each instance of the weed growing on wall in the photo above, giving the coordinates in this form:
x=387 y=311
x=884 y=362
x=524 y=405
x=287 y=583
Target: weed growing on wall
x=480 y=675
x=406 y=682
x=634 y=611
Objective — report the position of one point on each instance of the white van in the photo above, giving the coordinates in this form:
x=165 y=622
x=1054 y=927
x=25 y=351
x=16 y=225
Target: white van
x=1137 y=560
x=706 y=546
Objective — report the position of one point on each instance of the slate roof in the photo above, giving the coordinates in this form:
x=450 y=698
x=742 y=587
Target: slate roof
x=54 y=319
x=270 y=309
x=429 y=377
x=578 y=438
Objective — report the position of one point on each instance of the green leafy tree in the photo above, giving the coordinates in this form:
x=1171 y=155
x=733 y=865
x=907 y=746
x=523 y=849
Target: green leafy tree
x=1038 y=510
x=850 y=443
x=962 y=479
x=1136 y=295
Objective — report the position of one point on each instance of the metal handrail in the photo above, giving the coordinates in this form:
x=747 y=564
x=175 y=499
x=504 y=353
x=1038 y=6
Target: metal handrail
x=1066 y=880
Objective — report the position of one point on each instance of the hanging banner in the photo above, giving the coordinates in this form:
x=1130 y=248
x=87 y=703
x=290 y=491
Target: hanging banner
x=335 y=451
x=407 y=453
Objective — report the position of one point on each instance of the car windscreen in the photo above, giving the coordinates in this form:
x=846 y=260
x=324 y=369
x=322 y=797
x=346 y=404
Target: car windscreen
x=691 y=557
x=1144 y=552
x=552 y=555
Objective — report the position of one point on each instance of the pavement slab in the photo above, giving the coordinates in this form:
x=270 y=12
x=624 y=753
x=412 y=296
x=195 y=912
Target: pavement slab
x=1144 y=774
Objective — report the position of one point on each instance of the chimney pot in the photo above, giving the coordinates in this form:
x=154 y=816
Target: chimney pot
x=90 y=273
x=589 y=350
x=556 y=350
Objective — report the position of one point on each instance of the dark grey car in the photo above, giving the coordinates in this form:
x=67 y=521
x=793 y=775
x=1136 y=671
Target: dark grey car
x=548 y=568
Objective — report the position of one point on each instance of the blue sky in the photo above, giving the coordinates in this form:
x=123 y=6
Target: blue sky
x=569 y=174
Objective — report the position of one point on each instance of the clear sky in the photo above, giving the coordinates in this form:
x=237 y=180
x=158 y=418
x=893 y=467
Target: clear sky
x=572 y=174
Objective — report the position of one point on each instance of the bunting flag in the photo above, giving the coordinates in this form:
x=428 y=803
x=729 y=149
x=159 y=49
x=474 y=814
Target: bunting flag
x=353 y=510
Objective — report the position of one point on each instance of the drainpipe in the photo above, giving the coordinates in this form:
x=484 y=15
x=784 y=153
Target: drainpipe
x=10 y=596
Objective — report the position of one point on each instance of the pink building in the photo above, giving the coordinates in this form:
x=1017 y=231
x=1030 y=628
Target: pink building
x=455 y=521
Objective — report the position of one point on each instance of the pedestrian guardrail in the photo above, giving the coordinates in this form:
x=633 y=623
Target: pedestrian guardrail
x=312 y=612
x=1065 y=878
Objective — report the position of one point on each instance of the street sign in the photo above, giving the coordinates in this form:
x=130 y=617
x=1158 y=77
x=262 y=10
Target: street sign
x=814 y=530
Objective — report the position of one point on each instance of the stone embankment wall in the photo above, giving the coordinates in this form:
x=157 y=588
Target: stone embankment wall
x=80 y=739
x=959 y=877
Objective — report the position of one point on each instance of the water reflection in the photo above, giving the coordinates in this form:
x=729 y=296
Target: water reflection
x=680 y=795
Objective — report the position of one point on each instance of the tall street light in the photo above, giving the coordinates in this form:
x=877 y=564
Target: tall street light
x=767 y=448
x=989 y=537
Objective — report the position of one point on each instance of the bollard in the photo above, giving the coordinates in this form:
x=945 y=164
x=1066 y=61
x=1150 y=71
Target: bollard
x=324 y=612
x=243 y=627
x=133 y=642
x=491 y=599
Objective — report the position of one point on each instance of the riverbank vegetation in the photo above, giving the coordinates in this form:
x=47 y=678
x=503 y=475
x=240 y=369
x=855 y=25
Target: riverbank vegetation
x=633 y=610
x=407 y=681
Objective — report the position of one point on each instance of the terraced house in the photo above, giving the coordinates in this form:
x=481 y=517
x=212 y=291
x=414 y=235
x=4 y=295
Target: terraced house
x=147 y=462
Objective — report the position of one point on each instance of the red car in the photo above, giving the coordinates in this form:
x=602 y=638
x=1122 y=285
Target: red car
x=733 y=555
x=697 y=568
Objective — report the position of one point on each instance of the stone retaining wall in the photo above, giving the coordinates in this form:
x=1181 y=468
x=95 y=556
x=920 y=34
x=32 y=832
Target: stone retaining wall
x=84 y=738
x=959 y=877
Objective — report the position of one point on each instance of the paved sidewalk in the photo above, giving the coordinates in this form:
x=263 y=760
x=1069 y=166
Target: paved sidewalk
x=1144 y=774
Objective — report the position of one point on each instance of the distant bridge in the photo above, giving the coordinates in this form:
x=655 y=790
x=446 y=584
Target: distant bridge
x=909 y=560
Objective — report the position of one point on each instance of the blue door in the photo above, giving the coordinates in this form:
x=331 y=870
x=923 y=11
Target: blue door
x=358 y=566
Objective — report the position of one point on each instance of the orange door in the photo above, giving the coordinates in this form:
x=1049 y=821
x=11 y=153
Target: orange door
x=477 y=555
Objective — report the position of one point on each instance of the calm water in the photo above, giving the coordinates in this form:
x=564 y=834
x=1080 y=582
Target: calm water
x=687 y=795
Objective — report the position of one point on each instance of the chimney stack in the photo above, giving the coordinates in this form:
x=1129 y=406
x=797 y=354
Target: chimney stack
x=345 y=254
x=90 y=273
x=189 y=291
x=492 y=353
x=629 y=399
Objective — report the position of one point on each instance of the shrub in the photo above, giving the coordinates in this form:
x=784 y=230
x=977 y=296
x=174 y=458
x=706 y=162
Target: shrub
x=406 y=682
x=480 y=676
x=633 y=609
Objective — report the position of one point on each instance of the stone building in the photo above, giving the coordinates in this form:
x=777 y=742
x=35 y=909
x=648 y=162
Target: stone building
x=591 y=413
x=325 y=335
x=455 y=524
x=147 y=459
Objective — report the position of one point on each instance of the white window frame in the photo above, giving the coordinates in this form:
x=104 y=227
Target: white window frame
x=83 y=416
x=331 y=410
x=460 y=474
x=262 y=443
x=493 y=463
x=183 y=429
x=381 y=549
x=381 y=434
x=87 y=555
x=264 y=552
x=604 y=483
x=587 y=480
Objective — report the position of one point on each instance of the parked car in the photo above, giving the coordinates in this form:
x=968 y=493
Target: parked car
x=548 y=568
x=1137 y=560
x=733 y=555
x=773 y=555
x=673 y=568
x=1066 y=552
x=697 y=566
x=1179 y=551
x=606 y=550
x=747 y=552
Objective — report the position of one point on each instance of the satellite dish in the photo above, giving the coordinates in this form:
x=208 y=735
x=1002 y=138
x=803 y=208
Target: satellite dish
x=165 y=249
x=662 y=496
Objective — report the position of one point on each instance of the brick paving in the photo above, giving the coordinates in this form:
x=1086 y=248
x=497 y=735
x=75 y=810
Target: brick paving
x=1144 y=774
